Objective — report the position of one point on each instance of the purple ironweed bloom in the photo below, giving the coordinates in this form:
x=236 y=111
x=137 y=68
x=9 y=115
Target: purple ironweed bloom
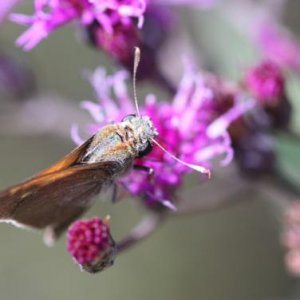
x=278 y=44
x=266 y=82
x=190 y=127
x=159 y=22
x=90 y=244
x=109 y=15
x=118 y=42
x=52 y=14
x=6 y=7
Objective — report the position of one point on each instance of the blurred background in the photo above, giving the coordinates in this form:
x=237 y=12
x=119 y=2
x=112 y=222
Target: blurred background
x=231 y=253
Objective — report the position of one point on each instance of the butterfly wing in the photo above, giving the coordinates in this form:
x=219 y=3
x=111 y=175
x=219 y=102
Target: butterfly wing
x=54 y=200
x=70 y=159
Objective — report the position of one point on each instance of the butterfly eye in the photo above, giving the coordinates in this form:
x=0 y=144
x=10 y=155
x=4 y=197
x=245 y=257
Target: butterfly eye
x=146 y=151
x=128 y=117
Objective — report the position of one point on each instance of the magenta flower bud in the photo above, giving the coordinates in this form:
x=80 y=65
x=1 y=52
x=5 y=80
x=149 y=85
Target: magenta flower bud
x=159 y=22
x=91 y=245
x=266 y=82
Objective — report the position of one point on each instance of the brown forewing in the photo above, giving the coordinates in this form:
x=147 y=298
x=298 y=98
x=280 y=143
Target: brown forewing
x=70 y=159
x=57 y=195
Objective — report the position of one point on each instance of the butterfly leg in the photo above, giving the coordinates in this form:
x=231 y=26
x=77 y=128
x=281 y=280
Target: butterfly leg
x=150 y=171
x=49 y=236
x=114 y=195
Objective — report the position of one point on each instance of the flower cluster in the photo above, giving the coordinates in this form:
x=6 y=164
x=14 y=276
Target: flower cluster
x=52 y=14
x=90 y=244
x=193 y=127
x=159 y=22
x=115 y=19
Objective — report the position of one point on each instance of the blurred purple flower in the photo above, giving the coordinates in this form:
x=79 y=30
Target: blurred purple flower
x=118 y=42
x=6 y=7
x=52 y=14
x=16 y=79
x=159 y=22
x=277 y=44
x=192 y=127
x=266 y=82
x=90 y=244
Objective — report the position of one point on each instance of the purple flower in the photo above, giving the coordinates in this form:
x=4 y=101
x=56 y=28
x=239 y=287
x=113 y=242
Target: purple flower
x=118 y=42
x=52 y=14
x=277 y=44
x=90 y=244
x=113 y=19
x=159 y=22
x=6 y=7
x=191 y=127
x=266 y=82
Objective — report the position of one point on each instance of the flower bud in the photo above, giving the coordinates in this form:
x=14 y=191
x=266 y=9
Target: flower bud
x=118 y=43
x=91 y=245
x=266 y=83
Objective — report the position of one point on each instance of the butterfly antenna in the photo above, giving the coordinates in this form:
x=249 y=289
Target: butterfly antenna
x=197 y=168
x=137 y=58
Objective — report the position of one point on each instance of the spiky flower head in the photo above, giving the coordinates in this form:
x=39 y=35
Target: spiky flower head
x=192 y=127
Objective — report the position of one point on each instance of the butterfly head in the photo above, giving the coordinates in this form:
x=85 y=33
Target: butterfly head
x=140 y=132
